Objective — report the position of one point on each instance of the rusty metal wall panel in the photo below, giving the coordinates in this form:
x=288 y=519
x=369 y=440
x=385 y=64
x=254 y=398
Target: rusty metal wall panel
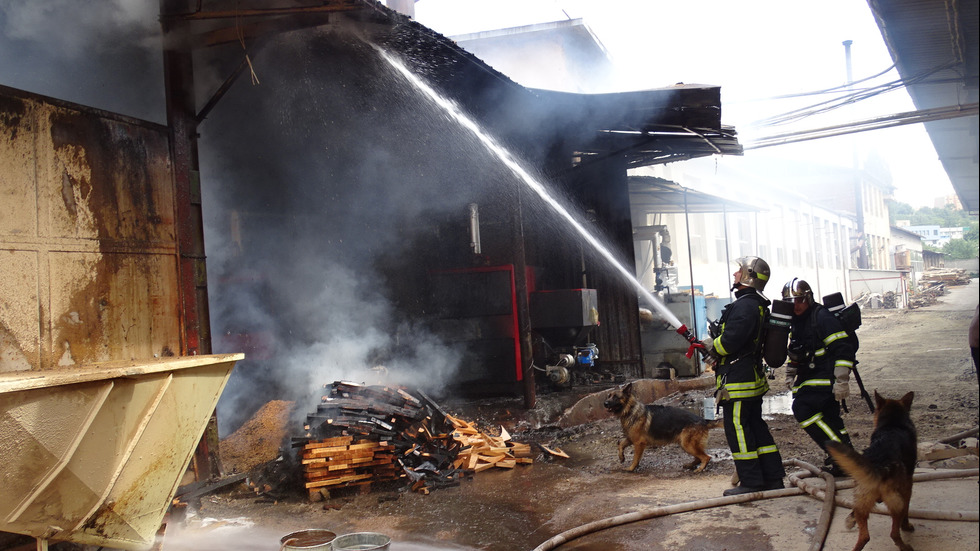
x=88 y=253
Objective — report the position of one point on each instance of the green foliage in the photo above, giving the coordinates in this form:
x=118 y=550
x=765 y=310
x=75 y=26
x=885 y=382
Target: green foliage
x=899 y=211
x=945 y=217
x=973 y=234
x=961 y=249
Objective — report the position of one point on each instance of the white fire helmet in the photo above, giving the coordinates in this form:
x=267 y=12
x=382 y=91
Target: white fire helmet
x=752 y=272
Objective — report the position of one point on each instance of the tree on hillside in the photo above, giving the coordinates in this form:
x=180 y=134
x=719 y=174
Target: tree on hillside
x=944 y=217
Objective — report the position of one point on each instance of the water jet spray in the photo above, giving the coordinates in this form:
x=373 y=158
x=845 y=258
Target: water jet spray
x=539 y=189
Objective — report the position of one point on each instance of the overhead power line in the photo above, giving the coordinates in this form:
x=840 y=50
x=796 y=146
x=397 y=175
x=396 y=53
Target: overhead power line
x=852 y=97
x=877 y=123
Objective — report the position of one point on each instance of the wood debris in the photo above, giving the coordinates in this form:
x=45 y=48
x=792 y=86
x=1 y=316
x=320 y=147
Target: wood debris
x=949 y=276
x=362 y=434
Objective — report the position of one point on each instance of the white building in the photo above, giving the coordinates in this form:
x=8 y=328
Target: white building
x=935 y=236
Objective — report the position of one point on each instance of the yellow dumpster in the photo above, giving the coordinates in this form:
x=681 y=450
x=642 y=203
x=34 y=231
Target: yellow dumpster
x=93 y=455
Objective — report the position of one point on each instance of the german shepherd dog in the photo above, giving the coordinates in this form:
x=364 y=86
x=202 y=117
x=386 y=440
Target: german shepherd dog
x=650 y=425
x=883 y=473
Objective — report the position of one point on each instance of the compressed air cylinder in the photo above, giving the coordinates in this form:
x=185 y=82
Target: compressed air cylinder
x=849 y=316
x=777 y=336
x=834 y=302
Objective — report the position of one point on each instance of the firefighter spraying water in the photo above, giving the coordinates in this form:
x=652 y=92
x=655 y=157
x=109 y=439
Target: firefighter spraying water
x=741 y=380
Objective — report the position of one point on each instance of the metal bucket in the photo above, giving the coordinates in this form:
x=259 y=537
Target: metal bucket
x=362 y=541
x=309 y=540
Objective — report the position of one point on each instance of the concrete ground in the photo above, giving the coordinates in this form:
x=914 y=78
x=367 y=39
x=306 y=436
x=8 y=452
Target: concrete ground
x=923 y=350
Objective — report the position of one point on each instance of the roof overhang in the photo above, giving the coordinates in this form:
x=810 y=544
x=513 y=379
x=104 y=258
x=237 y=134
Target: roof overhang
x=935 y=48
x=657 y=195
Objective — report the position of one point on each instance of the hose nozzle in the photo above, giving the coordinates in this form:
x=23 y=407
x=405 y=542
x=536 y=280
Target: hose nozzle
x=695 y=345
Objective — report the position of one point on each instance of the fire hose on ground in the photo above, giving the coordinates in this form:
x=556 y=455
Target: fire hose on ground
x=828 y=495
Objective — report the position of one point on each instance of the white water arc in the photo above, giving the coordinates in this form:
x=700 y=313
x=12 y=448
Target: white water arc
x=508 y=160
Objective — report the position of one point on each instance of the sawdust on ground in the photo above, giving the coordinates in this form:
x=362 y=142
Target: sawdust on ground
x=259 y=439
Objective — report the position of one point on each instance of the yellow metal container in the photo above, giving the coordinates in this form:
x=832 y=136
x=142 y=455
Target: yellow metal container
x=93 y=455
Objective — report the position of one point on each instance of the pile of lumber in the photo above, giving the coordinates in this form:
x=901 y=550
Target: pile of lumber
x=341 y=460
x=361 y=434
x=948 y=276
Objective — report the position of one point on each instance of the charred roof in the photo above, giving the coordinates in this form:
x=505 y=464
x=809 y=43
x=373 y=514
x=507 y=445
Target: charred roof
x=644 y=127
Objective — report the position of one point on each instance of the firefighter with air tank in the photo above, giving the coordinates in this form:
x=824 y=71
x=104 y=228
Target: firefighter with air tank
x=820 y=356
x=741 y=381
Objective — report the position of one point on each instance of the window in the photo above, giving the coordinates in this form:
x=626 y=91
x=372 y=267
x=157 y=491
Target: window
x=720 y=249
x=836 y=246
x=744 y=236
x=698 y=252
x=818 y=242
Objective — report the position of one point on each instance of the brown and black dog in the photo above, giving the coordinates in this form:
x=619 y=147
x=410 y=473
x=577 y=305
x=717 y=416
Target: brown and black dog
x=883 y=473
x=650 y=425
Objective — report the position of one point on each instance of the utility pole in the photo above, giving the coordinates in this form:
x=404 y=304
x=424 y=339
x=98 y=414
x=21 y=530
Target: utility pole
x=858 y=187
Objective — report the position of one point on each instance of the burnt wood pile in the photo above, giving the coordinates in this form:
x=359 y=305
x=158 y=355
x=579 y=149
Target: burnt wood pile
x=362 y=434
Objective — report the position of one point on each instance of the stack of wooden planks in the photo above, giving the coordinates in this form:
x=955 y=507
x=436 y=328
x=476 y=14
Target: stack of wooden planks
x=343 y=461
x=949 y=276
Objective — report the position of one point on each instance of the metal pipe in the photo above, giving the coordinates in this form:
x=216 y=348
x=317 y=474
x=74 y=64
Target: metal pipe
x=690 y=264
x=475 y=228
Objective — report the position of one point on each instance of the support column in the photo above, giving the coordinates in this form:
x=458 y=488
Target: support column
x=181 y=119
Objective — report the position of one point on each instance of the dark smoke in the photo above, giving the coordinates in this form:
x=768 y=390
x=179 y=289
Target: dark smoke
x=323 y=186
x=105 y=54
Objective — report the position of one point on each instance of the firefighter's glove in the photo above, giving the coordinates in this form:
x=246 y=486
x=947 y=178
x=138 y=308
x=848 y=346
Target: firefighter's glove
x=712 y=357
x=709 y=345
x=842 y=389
x=790 y=375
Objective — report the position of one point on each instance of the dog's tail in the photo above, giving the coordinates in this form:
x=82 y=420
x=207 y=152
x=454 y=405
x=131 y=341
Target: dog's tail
x=854 y=464
x=716 y=424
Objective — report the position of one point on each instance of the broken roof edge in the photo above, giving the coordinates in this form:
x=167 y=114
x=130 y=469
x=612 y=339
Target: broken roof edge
x=674 y=123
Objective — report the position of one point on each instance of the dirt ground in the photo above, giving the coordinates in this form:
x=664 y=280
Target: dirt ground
x=923 y=350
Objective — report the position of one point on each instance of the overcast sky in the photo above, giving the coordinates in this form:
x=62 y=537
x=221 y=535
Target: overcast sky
x=753 y=50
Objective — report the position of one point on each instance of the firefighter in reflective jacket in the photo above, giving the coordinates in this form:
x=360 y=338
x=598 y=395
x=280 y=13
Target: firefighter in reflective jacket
x=740 y=381
x=821 y=355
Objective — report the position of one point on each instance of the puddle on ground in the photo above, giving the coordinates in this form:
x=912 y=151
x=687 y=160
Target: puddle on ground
x=772 y=404
x=777 y=404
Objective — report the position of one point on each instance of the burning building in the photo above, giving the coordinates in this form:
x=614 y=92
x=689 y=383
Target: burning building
x=351 y=219
x=375 y=228
x=335 y=215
